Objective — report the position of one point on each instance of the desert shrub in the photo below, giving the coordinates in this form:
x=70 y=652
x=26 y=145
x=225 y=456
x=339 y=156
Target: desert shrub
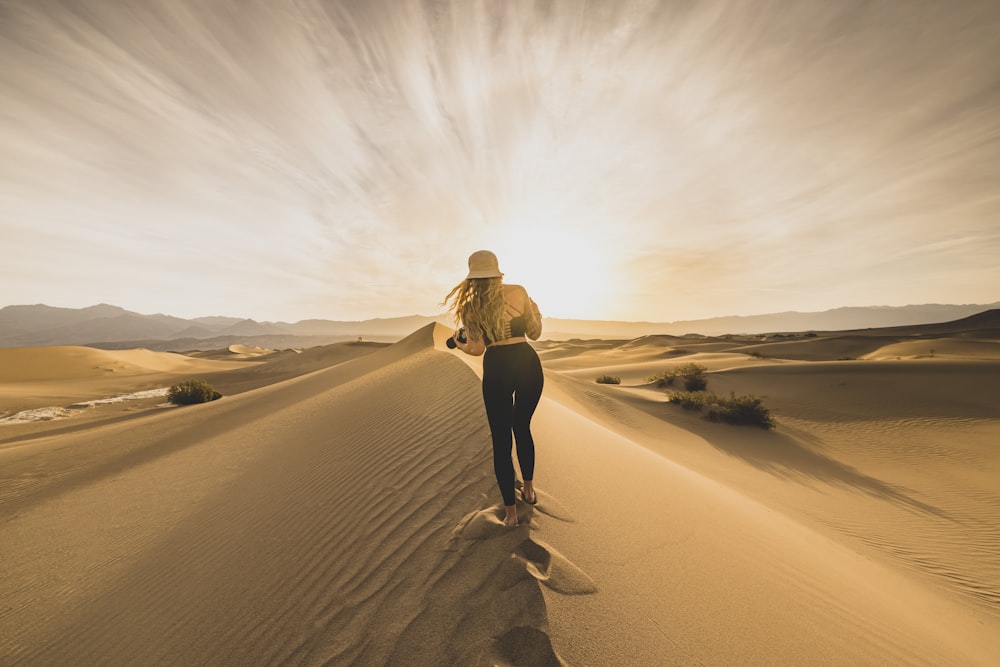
x=608 y=379
x=746 y=409
x=741 y=410
x=692 y=374
x=695 y=382
x=192 y=391
x=663 y=379
x=690 y=369
x=689 y=400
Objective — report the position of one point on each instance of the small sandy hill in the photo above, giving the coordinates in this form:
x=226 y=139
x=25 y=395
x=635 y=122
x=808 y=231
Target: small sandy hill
x=655 y=351
x=939 y=348
x=861 y=390
x=678 y=344
x=228 y=354
x=985 y=324
x=613 y=357
x=549 y=349
x=246 y=351
x=32 y=364
x=289 y=364
x=981 y=325
x=818 y=348
x=38 y=383
x=658 y=340
x=637 y=365
x=46 y=380
x=976 y=337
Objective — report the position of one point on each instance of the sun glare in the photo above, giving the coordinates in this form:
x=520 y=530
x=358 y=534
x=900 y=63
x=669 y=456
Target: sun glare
x=567 y=272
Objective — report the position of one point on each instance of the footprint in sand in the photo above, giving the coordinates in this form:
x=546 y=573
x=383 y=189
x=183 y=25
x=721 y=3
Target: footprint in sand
x=512 y=558
x=549 y=506
x=483 y=524
x=487 y=523
x=523 y=646
x=553 y=569
x=540 y=560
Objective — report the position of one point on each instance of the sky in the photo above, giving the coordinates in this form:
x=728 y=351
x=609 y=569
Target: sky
x=652 y=160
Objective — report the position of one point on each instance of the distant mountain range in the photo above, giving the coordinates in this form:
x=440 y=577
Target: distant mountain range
x=838 y=319
x=111 y=327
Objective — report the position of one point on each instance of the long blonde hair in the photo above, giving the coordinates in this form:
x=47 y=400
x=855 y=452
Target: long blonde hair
x=478 y=305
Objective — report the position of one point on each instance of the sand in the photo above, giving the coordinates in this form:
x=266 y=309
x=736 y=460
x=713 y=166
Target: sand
x=338 y=506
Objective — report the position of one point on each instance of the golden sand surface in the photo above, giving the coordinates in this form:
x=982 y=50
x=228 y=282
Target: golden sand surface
x=338 y=506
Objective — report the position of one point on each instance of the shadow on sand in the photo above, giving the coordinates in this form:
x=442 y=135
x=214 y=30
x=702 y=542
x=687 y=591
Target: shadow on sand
x=791 y=454
x=787 y=453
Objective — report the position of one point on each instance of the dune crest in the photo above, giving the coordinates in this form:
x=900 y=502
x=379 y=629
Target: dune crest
x=281 y=524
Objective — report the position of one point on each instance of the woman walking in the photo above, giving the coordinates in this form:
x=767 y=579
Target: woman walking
x=497 y=320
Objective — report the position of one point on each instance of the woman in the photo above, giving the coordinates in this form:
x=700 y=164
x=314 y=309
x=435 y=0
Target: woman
x=498 y=319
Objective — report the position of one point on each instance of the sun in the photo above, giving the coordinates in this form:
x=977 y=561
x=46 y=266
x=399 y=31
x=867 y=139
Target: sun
x=569 y=273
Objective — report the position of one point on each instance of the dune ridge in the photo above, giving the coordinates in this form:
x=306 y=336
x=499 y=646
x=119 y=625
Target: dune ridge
x=280 y=525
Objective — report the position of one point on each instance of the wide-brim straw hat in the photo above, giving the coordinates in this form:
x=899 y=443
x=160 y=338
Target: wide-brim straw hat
x=483 y=264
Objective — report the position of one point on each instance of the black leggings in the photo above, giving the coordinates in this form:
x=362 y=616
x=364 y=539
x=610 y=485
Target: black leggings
x=512 y=387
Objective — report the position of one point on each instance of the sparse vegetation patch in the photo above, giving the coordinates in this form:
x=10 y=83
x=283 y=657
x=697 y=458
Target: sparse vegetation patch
x=741 y=410
x=693 y=376
x=609 y=379
x=190 y=392
x=663 y=379
x=689 y=400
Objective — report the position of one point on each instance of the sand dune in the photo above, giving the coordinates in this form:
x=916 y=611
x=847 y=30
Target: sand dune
x=248 y=351
x=67 y=388
x=348 y=515
x=66 y=363
x=56 y=377
x=931 y=348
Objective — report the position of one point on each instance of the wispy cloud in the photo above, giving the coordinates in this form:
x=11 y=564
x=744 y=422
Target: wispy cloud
x=645 y=160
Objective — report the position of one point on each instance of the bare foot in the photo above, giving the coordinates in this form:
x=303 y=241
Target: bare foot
x=511 y=519
x=528 y=493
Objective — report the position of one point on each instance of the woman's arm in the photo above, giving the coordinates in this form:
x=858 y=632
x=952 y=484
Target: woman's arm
x=533 y=318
